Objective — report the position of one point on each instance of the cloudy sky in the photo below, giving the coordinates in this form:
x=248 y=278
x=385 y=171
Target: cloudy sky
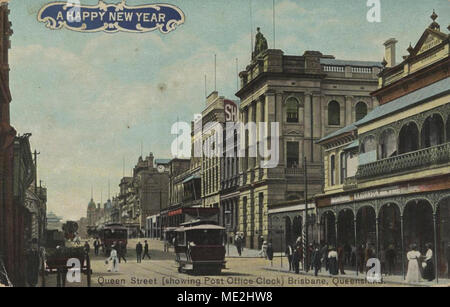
x=91 y=99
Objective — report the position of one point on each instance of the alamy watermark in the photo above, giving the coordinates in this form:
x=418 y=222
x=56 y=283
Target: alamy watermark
x=229 y=140
x=374 y=13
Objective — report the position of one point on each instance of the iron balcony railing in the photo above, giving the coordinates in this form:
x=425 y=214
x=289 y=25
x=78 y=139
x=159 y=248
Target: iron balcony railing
x=410 y=161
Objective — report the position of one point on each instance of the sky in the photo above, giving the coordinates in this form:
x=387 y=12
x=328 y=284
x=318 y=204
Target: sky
x=91 y=99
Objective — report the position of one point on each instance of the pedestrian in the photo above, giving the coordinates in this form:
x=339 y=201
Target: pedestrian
x=301 y=255
x=121 y=251
x=113 y=260
x=241 y=235
x=333 y=261
x=146 y=251
x=316 y=261
x=324 y=253
x=261 y=242
x=238 y=243
x=308 y=257
x=353 y=257
x=368 y=253
x=362 y=258
x=413 y=256
x=87 y=248
x=428 y=264
x=383 y=261
x=263 y=251
x=269 y=251
x=33 y=265
x=289 y=253
x=390 y=259
x=139 y=252
x=296 y=260
x=348 y=253
x=96 y=246
x=447 y=252
x=341 y=259
x=166 y=243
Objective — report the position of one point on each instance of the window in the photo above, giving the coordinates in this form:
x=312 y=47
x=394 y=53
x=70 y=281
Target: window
x=343 y=167
x=332 y=169
x=388 y=144
x=263 y=114
x=360 y=110
x=433 y=131
x=334 y=113
x=369 y=144
x=292 y=110
x=292 y=154
x=408 y=138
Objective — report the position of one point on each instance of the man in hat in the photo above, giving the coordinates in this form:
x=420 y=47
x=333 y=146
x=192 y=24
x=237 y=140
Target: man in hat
x=146 y=251
x=96 y=246
x=139 y=252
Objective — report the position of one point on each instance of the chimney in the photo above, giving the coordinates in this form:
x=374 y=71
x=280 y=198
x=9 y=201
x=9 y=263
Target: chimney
x=390 y=52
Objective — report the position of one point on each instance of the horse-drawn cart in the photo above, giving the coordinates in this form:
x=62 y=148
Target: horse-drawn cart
x=58 y=263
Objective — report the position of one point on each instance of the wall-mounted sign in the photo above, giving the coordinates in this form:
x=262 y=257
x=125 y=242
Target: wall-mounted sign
x=111 y=18
x=231 y=111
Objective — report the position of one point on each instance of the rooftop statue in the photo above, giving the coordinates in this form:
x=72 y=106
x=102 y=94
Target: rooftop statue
x=260 y=43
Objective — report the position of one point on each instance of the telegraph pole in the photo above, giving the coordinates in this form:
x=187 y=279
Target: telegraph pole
x=35 y=171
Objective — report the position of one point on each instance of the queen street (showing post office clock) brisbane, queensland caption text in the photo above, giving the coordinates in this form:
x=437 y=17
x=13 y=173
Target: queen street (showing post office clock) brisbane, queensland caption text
x=224 y=151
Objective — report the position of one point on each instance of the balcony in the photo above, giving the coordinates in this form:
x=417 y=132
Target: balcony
x=295 y=171
x=411 y=161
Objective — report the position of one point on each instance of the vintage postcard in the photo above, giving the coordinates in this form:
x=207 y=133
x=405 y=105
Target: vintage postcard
x=257 y=144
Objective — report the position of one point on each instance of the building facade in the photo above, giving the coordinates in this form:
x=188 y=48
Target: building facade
x=387 y=181
x=8 y=214
x=309 y=96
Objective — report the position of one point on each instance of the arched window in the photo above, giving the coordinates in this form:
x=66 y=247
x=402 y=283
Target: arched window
x=433 y=131
x=388 y=144
x=360 y=110
x=332 y=170
x=408 y=138
x=334 y=113
x=448 y=129
x=292 y=110
x=343 y=167
x=369 y=144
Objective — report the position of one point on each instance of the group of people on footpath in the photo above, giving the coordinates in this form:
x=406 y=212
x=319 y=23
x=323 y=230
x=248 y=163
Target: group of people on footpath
x=423 y=266
x=118 y=253
x=333 y=260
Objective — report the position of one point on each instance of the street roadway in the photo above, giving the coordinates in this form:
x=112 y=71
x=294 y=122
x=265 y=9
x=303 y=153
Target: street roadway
x=161 y=271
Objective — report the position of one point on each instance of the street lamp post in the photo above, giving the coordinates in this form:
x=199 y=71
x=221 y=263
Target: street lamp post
x=281 y=252
x=227 y=222
x=305 y=215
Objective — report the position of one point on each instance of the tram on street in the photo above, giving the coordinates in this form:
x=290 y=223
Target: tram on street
x=111 y=234
x=199 y=248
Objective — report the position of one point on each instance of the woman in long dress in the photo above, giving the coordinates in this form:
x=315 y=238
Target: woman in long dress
x=428 y=271
x=413 y=256
x=114 y=261
x=333 y=261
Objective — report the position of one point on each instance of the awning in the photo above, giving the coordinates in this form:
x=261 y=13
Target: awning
x=196 y=176
x=354 y=144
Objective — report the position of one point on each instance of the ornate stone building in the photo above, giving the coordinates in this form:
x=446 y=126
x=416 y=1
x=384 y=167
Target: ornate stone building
x=310 y=96
x=387 y=179
x=142 y=195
